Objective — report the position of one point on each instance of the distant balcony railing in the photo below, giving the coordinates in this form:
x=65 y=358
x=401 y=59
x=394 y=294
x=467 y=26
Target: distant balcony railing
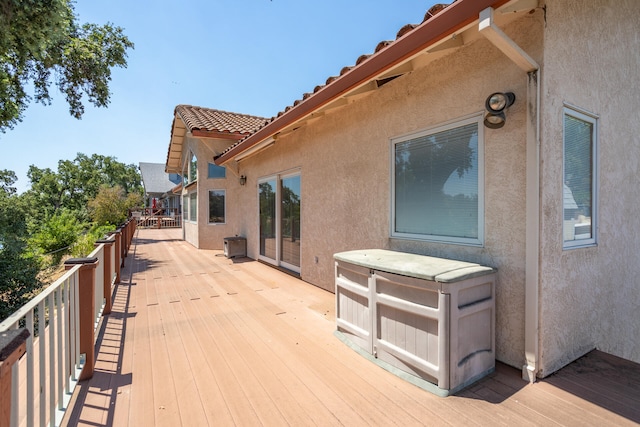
x=157 y=218
x=49 y=342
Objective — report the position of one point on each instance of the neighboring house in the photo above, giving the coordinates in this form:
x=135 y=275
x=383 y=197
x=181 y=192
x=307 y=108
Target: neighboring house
x=394 y=153
x=158 y=188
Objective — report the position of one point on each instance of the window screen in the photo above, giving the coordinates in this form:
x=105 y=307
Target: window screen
x=437 y=185
x=579 y=173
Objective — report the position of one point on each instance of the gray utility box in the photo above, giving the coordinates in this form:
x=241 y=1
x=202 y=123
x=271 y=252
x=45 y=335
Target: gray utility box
x=235 y=247
x=429 y=320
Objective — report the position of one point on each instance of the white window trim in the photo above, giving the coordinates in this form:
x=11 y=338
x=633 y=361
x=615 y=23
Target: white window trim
x=189 y=164
x=587 y=116
x=224 y=191
x=474 y=118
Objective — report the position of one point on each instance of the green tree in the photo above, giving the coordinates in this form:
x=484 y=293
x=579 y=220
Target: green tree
x=18 y=269
x=76 y=182
x=41 y=41
x=109 y=206
x=56 y=235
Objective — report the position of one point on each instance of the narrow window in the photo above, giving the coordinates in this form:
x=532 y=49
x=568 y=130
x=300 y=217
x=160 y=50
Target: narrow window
x=193 y=168
x=216 y=171
x=216 y=207
x=193 y=207
x=579 y=186
x=185 y=207
x=437 y=184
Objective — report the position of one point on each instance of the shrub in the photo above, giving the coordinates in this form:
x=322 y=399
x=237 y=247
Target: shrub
x=56 y=235
x=85 y=243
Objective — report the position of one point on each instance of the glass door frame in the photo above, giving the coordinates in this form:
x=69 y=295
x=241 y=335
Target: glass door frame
x=278 y=178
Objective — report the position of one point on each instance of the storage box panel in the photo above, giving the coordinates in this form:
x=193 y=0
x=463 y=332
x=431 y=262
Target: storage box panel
x=475 y=294
x=415 y=334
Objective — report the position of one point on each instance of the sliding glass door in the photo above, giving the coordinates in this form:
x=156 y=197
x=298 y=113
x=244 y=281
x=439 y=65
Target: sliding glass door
x=267 y=198
x=280 y=202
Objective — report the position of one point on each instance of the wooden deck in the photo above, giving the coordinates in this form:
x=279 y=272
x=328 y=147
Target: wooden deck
x=196 y=339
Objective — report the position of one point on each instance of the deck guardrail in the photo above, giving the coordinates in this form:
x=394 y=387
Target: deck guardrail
x=59 y=340
x=157 y=218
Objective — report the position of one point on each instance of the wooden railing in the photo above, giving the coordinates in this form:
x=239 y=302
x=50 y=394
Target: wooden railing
x=157 y=218
x=48 y=344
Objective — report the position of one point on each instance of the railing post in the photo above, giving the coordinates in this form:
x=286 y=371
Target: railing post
x=87 y=282
x=107 y=274
x=13 y=344
x=123 y=243
x=118 y=240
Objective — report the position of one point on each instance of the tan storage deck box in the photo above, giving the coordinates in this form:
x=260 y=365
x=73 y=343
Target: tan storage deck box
x=429 y=320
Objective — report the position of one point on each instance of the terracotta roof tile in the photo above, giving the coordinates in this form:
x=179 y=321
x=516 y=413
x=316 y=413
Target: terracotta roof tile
x=434 y=10
x=207 y=119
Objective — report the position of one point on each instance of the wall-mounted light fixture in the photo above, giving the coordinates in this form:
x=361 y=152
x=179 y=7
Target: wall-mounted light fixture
x=243 y=180
x=496 y=104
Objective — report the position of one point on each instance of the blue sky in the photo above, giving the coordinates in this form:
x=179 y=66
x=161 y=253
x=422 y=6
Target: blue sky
x=246 y=56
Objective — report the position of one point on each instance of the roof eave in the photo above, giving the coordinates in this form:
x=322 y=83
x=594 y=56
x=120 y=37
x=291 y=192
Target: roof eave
x=169 y=168
x=453 y=18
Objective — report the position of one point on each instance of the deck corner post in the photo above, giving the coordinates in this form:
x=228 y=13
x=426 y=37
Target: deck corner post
x=13 y=344
x=87 y=283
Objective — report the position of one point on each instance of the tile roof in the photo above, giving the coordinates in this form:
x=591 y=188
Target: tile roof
x=434 y=10
x=211 y=120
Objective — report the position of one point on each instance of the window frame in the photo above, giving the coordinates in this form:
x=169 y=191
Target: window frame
x=278 y=178
x=593 y=119
x=193 y=213
x=476 y=118
x=224 y=195
x=216 y=167
x=185 y=207
x=193 y=168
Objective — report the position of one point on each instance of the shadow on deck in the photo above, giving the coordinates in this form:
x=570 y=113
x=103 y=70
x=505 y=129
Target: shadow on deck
x=197 y=339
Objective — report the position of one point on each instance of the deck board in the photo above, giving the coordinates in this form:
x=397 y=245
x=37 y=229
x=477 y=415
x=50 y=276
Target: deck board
x=196 y=339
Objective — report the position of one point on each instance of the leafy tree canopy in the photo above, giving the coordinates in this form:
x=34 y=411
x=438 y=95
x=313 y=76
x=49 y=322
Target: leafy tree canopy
x=18 y=269
x=110 y=206
x=41 y=41
x=78 y=181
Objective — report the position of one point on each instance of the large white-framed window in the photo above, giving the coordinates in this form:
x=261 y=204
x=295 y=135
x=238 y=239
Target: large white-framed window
x=217 y=207
x=580 y=175
x=437 y=183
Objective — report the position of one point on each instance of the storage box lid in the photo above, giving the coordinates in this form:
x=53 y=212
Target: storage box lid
x=423 y=267
x=234 y=238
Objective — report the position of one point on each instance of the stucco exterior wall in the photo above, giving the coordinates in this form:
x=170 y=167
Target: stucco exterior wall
x=202 y=234
x=344 y=159
x=590 y=297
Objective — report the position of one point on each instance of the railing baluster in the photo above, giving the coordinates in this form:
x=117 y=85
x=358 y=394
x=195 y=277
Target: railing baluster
x=52 y=359
x=30 y=370
x=59 y=313
x=42 y=366
x=73 y=332
x=67 y=332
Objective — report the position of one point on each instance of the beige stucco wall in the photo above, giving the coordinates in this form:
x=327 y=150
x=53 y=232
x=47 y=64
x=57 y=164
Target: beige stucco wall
x=590 y=297
x=201 y=234
x=344 y=159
